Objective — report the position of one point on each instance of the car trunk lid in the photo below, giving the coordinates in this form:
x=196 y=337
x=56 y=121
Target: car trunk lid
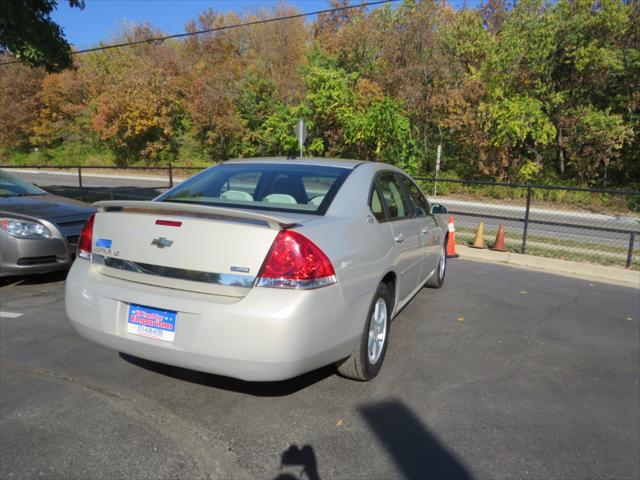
x=189 y=247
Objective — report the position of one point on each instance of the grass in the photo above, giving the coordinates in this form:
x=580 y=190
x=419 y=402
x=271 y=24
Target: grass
x=74 y=153
x=557 y=199
x=584 y=257
x=579 y=244
x=67 y=154
x=564 y=242
x=555 y=249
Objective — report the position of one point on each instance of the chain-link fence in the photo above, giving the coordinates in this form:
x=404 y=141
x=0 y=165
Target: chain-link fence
x=91 y=184
x=597 y=226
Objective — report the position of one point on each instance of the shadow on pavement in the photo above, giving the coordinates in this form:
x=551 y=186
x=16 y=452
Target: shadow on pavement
x=417 y=453
x=257 y=389
x=301 y=460
x=35 y=279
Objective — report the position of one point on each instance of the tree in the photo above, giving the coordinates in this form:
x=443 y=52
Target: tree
x=64 y=114
x=328 y=25
x=412 y=64
x=215 y=66
x=30 y=35
x=19 y=104
x=279 y=51
x=594 y=139
x=533 y=90
x=138 y=100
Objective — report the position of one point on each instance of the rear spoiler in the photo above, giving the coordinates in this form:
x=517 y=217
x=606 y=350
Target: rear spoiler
x=186 y=209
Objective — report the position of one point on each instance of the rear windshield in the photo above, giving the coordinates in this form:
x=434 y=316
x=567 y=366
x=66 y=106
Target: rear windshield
x=280 y=187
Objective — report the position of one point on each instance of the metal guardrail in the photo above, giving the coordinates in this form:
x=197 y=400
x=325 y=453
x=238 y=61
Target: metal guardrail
x=543 y=221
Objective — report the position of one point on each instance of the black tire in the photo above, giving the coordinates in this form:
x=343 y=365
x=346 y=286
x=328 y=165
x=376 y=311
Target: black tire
x=358 y=366
x=437 y=279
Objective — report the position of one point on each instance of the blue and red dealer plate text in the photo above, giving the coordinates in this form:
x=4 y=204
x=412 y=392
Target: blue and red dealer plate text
x=152 y=322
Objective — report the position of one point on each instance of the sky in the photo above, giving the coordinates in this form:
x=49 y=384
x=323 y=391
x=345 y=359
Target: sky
x=102 y=18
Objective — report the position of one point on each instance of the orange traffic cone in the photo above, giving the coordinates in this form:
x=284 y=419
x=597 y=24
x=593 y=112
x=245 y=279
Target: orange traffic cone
x=479 y=240
x=499 y=245
x=451 y=239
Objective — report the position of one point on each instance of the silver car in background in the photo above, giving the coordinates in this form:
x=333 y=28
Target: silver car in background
x=38 y=231
x=259 y=269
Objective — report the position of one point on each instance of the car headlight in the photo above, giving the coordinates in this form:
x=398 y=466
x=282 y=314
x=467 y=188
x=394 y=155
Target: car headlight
x=24 y=228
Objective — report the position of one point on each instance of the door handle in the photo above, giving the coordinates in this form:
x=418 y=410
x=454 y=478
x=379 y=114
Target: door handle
x=399 y=238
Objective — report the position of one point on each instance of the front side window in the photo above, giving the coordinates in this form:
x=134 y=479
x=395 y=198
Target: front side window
x=398 y=204
x=420 y=204
x=263 y=186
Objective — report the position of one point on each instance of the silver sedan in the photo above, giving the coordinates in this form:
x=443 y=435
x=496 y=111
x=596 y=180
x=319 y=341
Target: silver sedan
x=38 y=231
x=260 y=269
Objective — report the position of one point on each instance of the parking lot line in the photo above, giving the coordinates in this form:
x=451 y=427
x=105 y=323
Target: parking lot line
x=10 y=314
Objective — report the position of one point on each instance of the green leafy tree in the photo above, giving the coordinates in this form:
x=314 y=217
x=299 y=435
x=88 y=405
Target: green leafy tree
x=534 y=90
x=594 y=140
x=28 y=33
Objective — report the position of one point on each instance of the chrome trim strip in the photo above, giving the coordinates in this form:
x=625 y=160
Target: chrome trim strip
x=223 y=279
x=296 y=284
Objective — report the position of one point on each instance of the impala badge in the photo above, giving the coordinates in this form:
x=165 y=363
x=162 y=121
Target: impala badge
x=239 y=269
x=162 y=242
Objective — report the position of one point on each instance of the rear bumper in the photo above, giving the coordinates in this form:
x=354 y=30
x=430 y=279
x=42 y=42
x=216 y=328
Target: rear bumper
x=268 y=335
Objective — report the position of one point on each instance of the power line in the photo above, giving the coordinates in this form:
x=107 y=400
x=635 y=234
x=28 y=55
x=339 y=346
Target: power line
x=223 y=28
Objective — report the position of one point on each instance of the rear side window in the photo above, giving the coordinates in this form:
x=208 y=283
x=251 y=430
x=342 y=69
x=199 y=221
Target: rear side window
x=394 y=197
x=263 y=186
x=376 y=205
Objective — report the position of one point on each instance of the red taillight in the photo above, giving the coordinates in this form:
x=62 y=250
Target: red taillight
x=86 y=238
x=294 y=261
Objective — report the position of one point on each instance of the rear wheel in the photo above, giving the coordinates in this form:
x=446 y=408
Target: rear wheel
x=366 y=360
x=436 y=280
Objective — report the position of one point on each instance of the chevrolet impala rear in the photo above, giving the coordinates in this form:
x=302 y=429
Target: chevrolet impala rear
x=259 y=270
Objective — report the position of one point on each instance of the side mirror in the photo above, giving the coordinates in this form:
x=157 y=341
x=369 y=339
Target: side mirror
x=437 y=209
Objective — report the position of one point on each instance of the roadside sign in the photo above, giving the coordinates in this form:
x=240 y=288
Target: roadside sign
x=438 y=157
x=301 y=134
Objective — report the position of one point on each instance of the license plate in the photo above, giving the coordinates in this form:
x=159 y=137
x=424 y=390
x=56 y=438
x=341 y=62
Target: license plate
x=152 y=323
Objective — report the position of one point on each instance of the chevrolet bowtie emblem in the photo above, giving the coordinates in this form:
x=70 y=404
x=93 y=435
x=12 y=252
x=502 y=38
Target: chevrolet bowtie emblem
x=162 y=242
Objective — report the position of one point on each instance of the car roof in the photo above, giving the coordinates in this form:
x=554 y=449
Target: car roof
x=324 y=162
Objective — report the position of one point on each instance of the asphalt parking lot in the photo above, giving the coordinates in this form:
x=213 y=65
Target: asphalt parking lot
x=502 y=374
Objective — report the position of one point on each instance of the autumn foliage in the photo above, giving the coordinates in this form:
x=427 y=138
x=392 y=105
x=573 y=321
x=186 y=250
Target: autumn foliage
x=540 y=91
